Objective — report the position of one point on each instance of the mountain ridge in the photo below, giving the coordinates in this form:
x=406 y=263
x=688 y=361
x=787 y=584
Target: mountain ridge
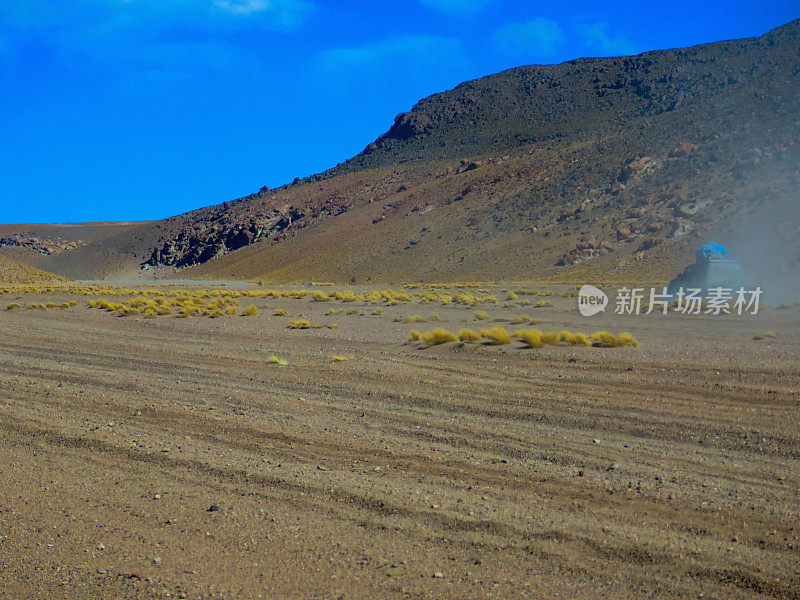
x=603 y=167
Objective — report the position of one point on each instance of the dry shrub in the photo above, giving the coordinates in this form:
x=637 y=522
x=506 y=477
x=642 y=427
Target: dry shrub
x=299 y=325
x=277 y=361
x=13 y=306
x=550 y=337
x=338 y=358
x=437 y=336
x=576 y=339
x=469 y=336
x=332 y=326
x=481 y=315
x=250 y=311
x=414 y=336
x=605 y=339
x=532 y=338
x=281 y=312
x=377 y=311
x=497 y=336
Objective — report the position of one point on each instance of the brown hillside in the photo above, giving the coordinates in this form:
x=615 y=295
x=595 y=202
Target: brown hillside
x=609 y=168
x=12 y=271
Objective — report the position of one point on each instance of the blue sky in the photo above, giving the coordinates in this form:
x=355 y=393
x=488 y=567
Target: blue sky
x=140 y=109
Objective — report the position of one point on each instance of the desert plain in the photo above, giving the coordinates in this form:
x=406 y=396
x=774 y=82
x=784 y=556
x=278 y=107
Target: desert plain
x=176 y=457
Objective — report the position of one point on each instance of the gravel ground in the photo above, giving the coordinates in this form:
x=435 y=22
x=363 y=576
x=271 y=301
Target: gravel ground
x=670 y=470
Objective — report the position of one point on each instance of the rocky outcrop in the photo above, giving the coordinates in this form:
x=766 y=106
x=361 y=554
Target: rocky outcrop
x=202 y=241
x=585 y=250
x=45 y=246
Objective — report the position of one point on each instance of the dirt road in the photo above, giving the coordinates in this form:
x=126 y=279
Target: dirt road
x=154 y=458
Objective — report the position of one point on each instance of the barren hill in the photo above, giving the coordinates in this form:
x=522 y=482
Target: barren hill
x=12 y=271
x=613 y=168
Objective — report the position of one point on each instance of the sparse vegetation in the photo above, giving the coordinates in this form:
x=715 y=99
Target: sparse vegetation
x=468 y=336
x=277 y=361
x=300 y=324
x=481 y=315
x=497 y=336
x=550 y=337
x=280 y=312
x=414 y=336
x=576 y=339
x=764 y=336
x=437 y=336
x=532 y=338
x=605 y=339
x=250 y=311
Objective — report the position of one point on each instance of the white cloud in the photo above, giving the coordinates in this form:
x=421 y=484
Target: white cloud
x=597 y=37
x=284 y=14
x=276 y=15
x=455 y=7
x=539 y=37
x=408 y=51
x=181 y=37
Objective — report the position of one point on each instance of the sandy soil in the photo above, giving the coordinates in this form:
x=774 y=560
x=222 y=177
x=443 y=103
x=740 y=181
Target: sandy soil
x=670 y=470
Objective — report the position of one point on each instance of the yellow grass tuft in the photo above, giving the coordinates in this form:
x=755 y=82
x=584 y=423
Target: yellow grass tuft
x=338 y=358
x=437 y=336
x=414 y=336
x=13 y=306
x=277 y=361
x=250 y=311
x=769 y=334
x=576 y=339
x=497 y=336
x=481 y=315
x=299 y=325
x=281 y=312
x=469 y=336
x=550 y=337
x=605 y=339
x=532 y=338
x=332 y=326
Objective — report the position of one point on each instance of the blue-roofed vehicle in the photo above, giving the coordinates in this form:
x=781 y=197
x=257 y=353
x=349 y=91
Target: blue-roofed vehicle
x=713 y=268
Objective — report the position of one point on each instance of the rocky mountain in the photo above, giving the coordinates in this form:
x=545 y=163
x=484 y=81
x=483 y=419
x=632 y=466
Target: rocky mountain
x=612 y=168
